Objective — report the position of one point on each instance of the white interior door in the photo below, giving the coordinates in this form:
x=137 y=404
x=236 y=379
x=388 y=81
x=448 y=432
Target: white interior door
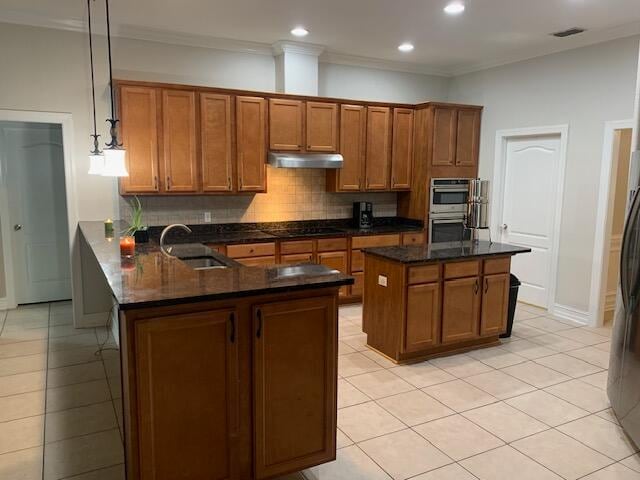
x=34 y=163
x=528 y=212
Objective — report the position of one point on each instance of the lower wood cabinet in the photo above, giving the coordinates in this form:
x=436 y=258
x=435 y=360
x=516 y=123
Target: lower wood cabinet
x=422 y=319
x=257 y=261
x=187 y=387
x=296 y=258
x=495 y=303
x=336 y=261
x=295 y=367
x=460 y=309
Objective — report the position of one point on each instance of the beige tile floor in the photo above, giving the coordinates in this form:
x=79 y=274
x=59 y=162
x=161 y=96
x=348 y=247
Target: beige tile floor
x=533 y=408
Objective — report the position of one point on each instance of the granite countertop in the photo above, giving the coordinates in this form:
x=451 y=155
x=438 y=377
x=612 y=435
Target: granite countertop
x=235 y=233
x=444 y=251
x=153 y=278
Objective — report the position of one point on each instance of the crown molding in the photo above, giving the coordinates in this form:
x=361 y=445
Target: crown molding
x=287 y=46
x=380 y=64
x=34 y=20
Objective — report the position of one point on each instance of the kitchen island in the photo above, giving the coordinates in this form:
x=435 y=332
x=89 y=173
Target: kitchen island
x=426 y=301
x=228 y=371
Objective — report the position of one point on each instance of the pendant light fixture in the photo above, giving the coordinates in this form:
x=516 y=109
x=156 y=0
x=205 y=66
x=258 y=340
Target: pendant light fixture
x=96 y=159
x=114 y=154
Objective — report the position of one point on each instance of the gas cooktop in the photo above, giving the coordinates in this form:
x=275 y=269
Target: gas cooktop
x=304 y=232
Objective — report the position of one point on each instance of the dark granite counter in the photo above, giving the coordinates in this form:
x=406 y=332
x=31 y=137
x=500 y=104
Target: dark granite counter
x=444 y=251
x=234 y=233
x=152 y=278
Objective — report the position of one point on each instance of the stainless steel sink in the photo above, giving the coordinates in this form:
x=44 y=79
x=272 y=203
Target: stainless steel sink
x=203 y=262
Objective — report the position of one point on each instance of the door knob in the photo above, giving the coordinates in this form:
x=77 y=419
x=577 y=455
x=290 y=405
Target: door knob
x=17 y=227
x=504 y=226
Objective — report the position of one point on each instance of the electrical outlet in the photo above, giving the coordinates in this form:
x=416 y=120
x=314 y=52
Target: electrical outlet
x=382 y=280
x=207 y=217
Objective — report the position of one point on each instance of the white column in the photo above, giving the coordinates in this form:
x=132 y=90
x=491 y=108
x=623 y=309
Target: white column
x=297 y=67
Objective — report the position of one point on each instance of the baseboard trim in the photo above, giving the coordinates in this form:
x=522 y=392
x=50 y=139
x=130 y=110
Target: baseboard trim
x=89 y=320
x=3 y=304
x=569 y=313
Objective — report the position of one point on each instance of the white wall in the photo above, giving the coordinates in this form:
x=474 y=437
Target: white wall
x=360 y=83
x=582 y=88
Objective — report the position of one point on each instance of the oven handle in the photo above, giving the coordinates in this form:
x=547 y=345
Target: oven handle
x=455 y=220
x=445 y=189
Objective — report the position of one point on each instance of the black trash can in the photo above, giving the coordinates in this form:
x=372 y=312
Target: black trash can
x=513 y=300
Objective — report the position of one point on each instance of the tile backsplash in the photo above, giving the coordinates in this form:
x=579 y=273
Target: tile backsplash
x=292 y=194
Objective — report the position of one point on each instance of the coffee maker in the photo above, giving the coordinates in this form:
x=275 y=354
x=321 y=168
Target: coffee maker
x=363 y=215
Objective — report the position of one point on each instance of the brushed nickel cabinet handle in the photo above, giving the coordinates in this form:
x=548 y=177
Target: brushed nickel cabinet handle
x=259 y=331
x=155 y=182
x=476 y=287
x=486 y=285
x=228 y=183
x=232 y=319
x=169 y=182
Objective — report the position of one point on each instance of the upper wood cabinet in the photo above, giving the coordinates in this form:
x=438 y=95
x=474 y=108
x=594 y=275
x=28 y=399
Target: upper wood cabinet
x=322 y=127
x=285 y=124
x=444 y=137
x=251 y=127
x=216 y=127
x=353 y=138
x=422 y=319
x=179 y=141
x=402 y=149
x=139 y=109
x=468 y=137
x=294 y=408
x=186 y=365
x=460 y=309
x=378 y=156
x=495 y=302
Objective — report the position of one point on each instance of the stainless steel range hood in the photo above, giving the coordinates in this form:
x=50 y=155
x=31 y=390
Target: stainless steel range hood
x=305 y=160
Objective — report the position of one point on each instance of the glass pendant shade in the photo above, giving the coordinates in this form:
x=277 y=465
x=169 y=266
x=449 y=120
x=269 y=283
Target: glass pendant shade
x=114 y=163
x=96 y=164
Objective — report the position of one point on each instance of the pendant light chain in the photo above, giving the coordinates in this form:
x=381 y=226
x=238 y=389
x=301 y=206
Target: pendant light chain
x=113 y=121
x=96 y=149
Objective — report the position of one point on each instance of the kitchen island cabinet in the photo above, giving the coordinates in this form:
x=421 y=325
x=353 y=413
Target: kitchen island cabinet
x=424 y=301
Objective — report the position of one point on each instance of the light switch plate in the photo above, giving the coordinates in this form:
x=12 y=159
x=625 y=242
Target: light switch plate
x=207 y=217
x=382 y=280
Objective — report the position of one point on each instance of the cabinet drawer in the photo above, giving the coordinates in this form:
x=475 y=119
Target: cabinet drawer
x=413 y=238
x=331 y=244
x=497 y=265
x=251 y=250
x=257 y=261
x=296 y=258
x=375 y=241
x=357 y=261
x=302 y=246
x=461 y=269
x=424 y=274
x=216 y=248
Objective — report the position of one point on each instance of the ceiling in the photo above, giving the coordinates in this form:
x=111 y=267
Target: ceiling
x=488 y=33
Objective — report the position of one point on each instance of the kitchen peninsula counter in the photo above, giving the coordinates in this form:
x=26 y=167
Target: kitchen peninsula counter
x=426 y=301
x=227 y=372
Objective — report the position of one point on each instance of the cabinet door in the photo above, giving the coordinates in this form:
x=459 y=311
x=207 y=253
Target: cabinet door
x=336 y=261
x=295 y=375
x=322 y=127
x=353 y=136
x=468 y=138
x=460 y=309
x=285 y=124
x=179 y=140
x=422 y=321
x=139 y=117
x=495 y=304
x=444 y=136
x=215 y=132
x=187 y=408
x=251 y=143
x=402 y=149
x=357 y=289
x=377 y=163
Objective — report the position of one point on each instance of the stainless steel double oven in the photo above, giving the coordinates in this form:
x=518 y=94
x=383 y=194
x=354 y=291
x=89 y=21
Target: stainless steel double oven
x=447 y=210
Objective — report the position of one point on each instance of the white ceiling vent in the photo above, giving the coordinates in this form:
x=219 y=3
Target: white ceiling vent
x=569 y=32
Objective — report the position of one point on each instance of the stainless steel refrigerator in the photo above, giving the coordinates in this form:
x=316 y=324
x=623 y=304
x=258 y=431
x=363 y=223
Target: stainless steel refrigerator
x=624 y=364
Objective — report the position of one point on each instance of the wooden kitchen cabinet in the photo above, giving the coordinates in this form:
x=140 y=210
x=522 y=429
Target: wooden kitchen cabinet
x=337 y=261
x=179 y=141
x=422 y=319
x=294 y=394
x=286 y=124
x=456 y=136
x=187 y=388
x=296 y=258
x=402 y=149
x=139 y=110
x=353 y=138
x=495 y=303
x=251 y=125
x=322 y=127
x=460 y=309
x=378 y=154
x=444 y=136
x=468 y=137
x=216 y=128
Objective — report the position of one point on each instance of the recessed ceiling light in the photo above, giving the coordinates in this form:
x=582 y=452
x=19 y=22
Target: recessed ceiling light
x=454 y=8
x=405 y=47
x=300 y=32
